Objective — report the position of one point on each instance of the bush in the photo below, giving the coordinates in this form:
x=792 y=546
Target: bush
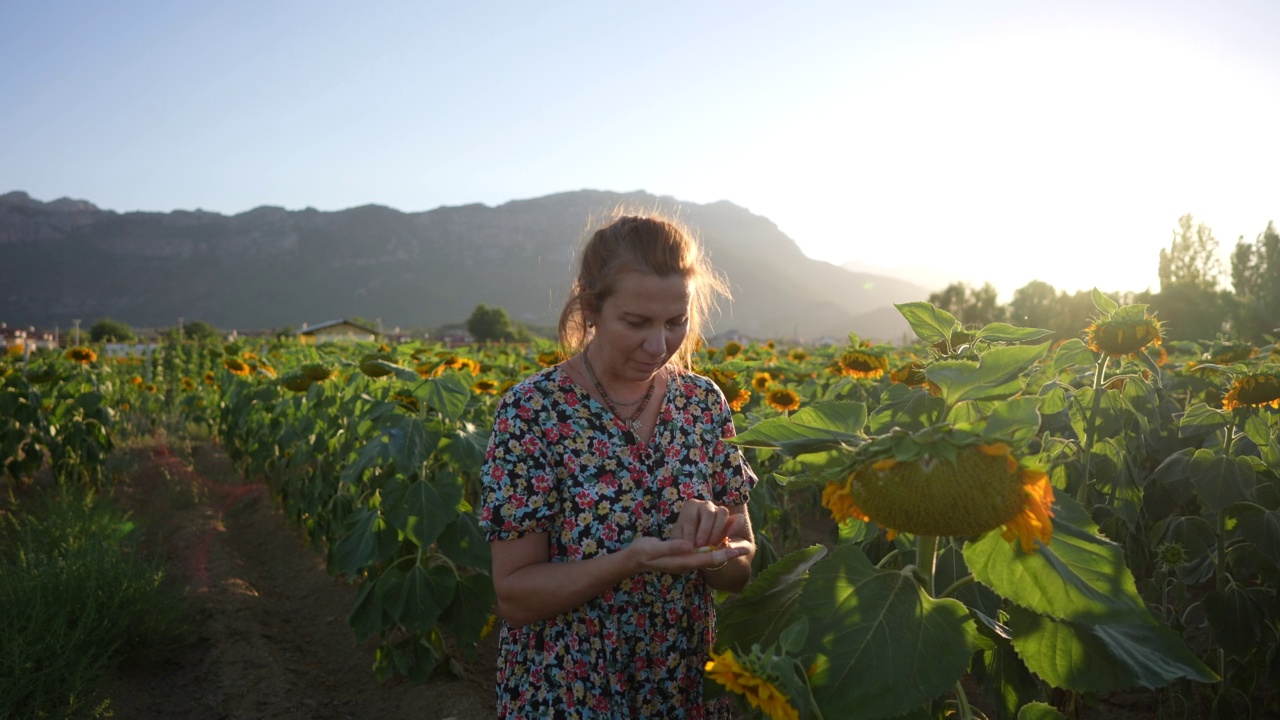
x=77 y=598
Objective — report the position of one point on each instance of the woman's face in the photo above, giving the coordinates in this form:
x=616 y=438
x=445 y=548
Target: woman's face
x=640 y=326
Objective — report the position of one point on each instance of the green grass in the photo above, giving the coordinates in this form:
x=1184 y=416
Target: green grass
x=77 y=598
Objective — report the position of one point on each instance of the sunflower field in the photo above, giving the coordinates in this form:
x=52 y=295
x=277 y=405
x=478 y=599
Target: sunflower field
x=983 y=523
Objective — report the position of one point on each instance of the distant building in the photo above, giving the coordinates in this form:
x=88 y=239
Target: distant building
x=336 y=331
x=19 y=340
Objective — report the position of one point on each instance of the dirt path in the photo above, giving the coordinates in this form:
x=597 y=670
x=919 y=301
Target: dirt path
x=268 y=635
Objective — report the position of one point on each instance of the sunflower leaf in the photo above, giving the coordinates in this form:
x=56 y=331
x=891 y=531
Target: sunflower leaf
x=1077 y=575
x=996 y=376
x=1103 y=657
x=930 y=323
x=759 y=614
x=1004 y=332
x=811 y=429
x=1104 y=304
x=885 y=645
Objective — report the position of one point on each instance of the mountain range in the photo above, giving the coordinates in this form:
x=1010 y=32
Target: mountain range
x=270 y=267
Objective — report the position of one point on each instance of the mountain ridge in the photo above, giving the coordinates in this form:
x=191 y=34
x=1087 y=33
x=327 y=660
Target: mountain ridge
x=273 y=267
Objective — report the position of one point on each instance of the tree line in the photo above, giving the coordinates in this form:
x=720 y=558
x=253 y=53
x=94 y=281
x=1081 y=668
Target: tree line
x=1192 y=301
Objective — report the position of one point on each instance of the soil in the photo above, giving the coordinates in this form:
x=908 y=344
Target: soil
x=267 y=634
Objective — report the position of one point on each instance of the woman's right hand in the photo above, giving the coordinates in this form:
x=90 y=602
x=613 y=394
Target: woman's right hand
x=680 y=556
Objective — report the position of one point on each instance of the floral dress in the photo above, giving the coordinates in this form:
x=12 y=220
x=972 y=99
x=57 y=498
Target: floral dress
x=558 y=463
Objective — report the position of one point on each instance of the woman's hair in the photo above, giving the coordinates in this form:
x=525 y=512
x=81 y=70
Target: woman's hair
x=648 y=242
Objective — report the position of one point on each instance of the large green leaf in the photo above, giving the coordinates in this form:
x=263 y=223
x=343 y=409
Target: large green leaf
x=1102 y=658
x=1039 y=711
x=1071 y=354
x=1200 y=419
x=1004 y=332
x=929 y=322
x=423 y=508
x=367 y=540
x=473 y=604
x=811 y=429
x=417 y=599
x=881 y=645
x=996 y=376
x=448 y=394
x=1261 y=527
x=1221 y=481
x=1079 y=575
x=1237 y=618
x=1016 y=420
x=759 y=613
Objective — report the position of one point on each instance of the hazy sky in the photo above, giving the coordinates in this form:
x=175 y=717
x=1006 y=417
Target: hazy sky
x=1000 y=141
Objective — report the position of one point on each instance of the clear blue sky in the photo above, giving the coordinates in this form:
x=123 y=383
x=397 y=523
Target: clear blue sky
x=1000 y=141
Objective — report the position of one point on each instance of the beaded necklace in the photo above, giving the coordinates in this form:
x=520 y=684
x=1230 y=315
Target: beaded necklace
x=628 y=422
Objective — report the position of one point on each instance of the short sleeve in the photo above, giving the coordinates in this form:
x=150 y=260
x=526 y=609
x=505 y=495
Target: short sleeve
x=519 y=485
x=732 y=477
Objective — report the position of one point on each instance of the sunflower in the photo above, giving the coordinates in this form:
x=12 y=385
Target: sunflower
x=911 y=374
x=188 y=384
x=798 y=355
x=732 y=349
x=375 y=365
x=1125 y=331
x=405 y=400
x=950 y=483
x=741 y=678
x=1230 y=353
x=236 y=366
x=151 y=388
x=484 y=386
x=863 y=364
x=135 y=380
x=209 y=378
x=549 y=358
x=1256 y=389
x=783 y=399
x=317 y=372
x=296 y=381
x=761 y=381
x=80 y=354
x=738 y=399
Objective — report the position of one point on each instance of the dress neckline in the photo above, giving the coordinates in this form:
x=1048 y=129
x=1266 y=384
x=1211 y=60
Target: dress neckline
x=613 y=421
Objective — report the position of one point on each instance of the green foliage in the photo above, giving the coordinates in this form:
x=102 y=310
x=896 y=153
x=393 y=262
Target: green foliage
x=77 y=599
x=199 y=330
x=108 y=330
x=489 y=324
x=971 y=306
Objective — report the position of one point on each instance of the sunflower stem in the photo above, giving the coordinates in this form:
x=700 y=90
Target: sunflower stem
x=1091 y=429
x=966 y=713
x=926 y=559
x=958 y=584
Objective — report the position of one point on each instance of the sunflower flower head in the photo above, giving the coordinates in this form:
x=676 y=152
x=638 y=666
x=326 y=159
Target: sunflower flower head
x=911 y=374
x=946 y=481
x=863 y=363
x=749 y=677
x=1124 y=331
x=549 y=358
x=484 y=386
x=1229 y=353
x=797 y=355
x=1254 y=390
x=236 y=366
x=732 y=349
x=761 y=381
x=81 y=354
x=783 y=399
x=317 y=371
x=376 y=365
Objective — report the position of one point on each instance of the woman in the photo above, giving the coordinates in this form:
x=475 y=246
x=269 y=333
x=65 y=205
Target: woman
x=612 y=503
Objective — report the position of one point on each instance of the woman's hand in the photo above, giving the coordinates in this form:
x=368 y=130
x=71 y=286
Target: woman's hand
x=681 y=556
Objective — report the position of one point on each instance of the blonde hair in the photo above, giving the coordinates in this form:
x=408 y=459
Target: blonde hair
x=649 y=242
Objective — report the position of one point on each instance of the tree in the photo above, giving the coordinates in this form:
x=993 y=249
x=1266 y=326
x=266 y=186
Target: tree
x=108 y=330
x=969 y=305
x=200 y=330
x=1255 y=277
x=1192 y=259
x=490 y=324
x=1034 y=305
x=1189 y=301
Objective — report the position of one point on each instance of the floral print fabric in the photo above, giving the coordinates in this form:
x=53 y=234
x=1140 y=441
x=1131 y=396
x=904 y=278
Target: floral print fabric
x=558 y=463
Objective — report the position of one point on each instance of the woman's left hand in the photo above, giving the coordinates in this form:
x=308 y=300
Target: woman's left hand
x=704 y=523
